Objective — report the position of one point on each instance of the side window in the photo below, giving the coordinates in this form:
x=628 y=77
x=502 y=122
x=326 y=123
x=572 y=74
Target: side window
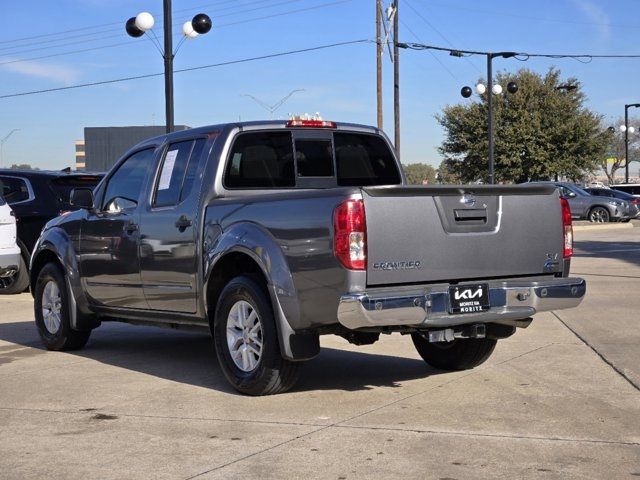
x=314 y=158
x=14 y=189
x=364 y=160
x=261 y=160
x=172 y=173
x=192 y=168
x=124 y=187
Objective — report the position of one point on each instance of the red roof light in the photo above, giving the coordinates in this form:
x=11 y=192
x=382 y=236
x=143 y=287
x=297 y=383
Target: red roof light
x=311 y=124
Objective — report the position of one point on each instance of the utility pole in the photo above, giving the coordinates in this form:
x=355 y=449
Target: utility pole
x=168 y=65
x=379 y=53
x=396 y=81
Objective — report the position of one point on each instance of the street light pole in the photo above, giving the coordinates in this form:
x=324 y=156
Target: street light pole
x=168 y=66
x=626 y=139
x=142 y=23
x=490 y=115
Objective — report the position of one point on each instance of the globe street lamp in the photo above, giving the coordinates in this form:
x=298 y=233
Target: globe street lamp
x=496 y=89
x=143 y=22
x=627 y=130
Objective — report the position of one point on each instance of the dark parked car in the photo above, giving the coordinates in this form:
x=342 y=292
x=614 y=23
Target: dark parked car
x=270 y=234
x=634 y=201
x=36 y=196
x=585 y=206
x=630 y=188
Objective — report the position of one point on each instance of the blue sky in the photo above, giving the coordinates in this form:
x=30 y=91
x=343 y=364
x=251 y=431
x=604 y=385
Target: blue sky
x=339 y=83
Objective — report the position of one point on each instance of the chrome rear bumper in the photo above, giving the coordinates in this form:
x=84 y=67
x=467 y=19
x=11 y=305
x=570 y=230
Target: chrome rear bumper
x=428 y=307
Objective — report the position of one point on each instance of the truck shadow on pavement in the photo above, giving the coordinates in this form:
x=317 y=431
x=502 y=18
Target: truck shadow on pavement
x=628 y=252
x=189 y=358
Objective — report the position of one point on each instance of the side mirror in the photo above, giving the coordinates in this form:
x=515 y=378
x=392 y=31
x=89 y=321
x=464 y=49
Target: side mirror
x=571 y=195
x=82 y=198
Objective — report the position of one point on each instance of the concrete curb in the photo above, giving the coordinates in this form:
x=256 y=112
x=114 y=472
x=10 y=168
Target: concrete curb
x=607 y=226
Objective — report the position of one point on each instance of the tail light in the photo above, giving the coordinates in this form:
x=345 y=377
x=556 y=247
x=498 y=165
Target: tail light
x=635 y=201
x=350 y=234
x=567 y=228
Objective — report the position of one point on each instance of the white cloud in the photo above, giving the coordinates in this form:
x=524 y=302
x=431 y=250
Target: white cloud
x=56 y=73
x=594 y=14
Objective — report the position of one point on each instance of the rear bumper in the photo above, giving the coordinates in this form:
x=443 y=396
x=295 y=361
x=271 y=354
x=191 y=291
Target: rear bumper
x=428 y=307
x=9 y=261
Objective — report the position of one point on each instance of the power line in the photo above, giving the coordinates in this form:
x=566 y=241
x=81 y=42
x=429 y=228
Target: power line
x=439 y=33
x=528 y=17
x=440 y=62
x=255 y=19
x=119 y=23
x=189 y=69
x=13 y=51
x=523 y=56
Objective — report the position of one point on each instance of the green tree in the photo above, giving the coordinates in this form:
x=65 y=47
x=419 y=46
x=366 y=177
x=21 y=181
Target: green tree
x=540 y=132
x=445 y=174
x=22 y=166
x=418 y=173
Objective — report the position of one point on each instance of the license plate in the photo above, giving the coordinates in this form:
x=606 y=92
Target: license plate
x=469 y=298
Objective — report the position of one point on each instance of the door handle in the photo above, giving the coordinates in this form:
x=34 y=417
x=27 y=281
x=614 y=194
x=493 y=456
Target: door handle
x=131 y=227
x=183 y=222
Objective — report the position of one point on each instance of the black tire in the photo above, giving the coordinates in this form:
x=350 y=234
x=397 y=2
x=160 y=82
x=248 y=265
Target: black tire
x=626 y=220
x=64 y=337
x=18 y=282
x=599 y=215
x=460 y=354
x=272 y=374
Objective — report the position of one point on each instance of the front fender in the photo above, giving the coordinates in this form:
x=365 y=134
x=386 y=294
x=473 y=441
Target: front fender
x=55 y=241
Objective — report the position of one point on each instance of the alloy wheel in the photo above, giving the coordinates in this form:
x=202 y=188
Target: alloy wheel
x=244 y=335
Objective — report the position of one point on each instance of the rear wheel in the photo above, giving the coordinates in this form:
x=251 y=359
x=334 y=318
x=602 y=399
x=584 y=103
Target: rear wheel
x=246 y=341
x=460 y=354
x=52 y=311
x=16 y=283
x=599 y=215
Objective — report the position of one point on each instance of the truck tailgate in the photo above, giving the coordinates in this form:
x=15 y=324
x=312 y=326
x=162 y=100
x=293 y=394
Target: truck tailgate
x=442 y=233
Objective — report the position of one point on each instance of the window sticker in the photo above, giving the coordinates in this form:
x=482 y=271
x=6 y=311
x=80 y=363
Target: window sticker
x=167 y=169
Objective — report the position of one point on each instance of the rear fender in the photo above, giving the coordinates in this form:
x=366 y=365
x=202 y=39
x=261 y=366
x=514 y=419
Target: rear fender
x=257 y=243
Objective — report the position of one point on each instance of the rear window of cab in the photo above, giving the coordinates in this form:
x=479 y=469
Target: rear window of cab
x=275 y=159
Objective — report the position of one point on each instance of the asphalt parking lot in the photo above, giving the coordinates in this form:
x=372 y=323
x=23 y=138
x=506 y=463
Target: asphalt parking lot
x=558 y=400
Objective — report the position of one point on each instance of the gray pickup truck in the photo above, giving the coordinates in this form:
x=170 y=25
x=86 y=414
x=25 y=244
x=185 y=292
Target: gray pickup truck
x=270 y=234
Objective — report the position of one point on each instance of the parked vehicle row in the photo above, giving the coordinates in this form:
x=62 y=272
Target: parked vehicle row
x=270 y=234
x=595 y=208
x=35 y=196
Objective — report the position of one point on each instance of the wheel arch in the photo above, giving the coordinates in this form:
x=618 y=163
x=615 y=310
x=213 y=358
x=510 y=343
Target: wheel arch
x=248 y=249
x=55 y=246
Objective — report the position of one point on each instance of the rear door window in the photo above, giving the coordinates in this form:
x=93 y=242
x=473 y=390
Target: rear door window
x=364 y=160
x=14 y=189
x=261 y=160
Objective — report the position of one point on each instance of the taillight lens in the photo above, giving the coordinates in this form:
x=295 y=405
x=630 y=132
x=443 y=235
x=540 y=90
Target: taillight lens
x=567 y=228
x=350 y=234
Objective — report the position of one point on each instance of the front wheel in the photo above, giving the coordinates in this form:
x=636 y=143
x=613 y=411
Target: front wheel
x=460 y=354
x=52 y=312
x=599 y=215
x=246 y=341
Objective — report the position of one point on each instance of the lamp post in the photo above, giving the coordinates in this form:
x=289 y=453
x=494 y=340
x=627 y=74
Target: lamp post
x=492 y=89
x=4 y=140
x=143 y=22
x=627 y=130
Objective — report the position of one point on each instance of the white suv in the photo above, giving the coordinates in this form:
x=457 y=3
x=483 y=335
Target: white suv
x=9 y=250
